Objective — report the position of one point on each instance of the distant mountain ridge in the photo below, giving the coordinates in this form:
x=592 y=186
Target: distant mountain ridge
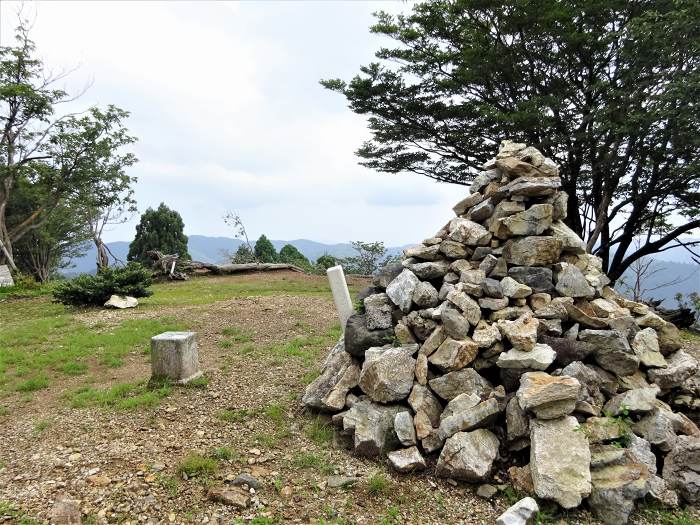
x=212 y=249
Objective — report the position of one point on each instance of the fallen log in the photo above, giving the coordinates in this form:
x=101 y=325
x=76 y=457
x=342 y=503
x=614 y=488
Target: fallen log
x=177 y=269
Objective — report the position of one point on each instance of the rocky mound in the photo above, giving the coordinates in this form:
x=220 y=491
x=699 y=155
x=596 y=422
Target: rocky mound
x=497 y=345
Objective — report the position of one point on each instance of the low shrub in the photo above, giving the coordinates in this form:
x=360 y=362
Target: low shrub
x=93 y=290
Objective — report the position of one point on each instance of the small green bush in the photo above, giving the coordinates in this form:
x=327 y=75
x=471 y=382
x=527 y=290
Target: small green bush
x=94 y=290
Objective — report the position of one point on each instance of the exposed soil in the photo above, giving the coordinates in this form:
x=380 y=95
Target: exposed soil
x=121 y=465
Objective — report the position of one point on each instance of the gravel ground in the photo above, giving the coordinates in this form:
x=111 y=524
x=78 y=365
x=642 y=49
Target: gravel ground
x=122 y=465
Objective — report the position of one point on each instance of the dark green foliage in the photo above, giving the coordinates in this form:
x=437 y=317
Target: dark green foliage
x=243 y=255
x=290 y=255
x=264 y=251
x=161 y=229
x=607 y=88
x=326 y=261
x=89 y=290
x=370 y=257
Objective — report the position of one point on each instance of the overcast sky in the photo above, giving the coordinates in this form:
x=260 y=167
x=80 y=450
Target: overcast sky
x=225 y=101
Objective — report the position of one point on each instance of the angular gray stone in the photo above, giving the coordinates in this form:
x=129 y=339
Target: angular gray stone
x=386 y=274
x=646 y=346
x=378 y=308
x=429 y=270
x=433 y=341
x=517 y=421
x=422 y=400
x=539 y=358
x=388 y=377
x=467 y=380
x=469 y=307
x=636 y=401
x=572 y=283
x=571 y=242
x=421 y=325
x=491 y=303
x=454 y=323
x=533 y=186
x=548 y=397
x=400 y=290
x=5 y=276
x=340 y=373
x=532 y=251
x=533 y=221
x=523 y=512
x=492 y=288
x=560 y=461
x=682 y=468
x=460 y=403
x=405 y=431
x=681 y=366
x=481 y=415
x=425 y=295
x=522 y=333
x=454 y=354
x=406 y=460
x=468 y=456
x=425 y=253
x=486 y=335
x=513 y=289
x=466 y=203
x=611 y=351
x=64 y=511
x=469 y=232
x=453 y=249
x=537 y=278
x=481 y=211
x=358 y=338
x=372 y=426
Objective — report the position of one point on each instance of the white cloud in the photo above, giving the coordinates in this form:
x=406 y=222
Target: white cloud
x=229 y=113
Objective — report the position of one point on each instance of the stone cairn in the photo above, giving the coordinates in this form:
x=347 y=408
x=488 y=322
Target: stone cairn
x=497 y=347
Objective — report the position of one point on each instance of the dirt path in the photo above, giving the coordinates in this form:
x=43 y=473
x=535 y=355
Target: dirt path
x=122 y=464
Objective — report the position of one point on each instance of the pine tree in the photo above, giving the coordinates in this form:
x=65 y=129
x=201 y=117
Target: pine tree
x=162 y=230
x=290 y=255
x=264 y=251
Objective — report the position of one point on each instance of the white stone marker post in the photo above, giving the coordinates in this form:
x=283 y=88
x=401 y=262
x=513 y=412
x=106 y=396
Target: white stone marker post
x=341 y=294
x=174 y=357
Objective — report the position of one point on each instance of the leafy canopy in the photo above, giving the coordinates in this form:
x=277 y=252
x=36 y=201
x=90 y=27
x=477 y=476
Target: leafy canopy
x=607 y=88
x=161 y=229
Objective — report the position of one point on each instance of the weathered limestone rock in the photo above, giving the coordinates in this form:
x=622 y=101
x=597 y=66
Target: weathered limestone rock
x=538 y=279
x=486 y=335
x=339 y=375
x=358 y=338
x=522 y=333
x=578 y=313
x=603 y=429
x=372 y=425
x=492 y=288
x=469 y=307
x=455 y=325
x=174 y=357
x=423 y=401
x=532 y=251
x=468 y=456
x=539 y=358
x=682 y=468
x=572 y=283
x=388 y=377
x=405 y=431
x=547 y=396
x=481 y=211
x=468 y=202
x=233 y=496
x=513 y=167
x=467 y=380
x=406 y=460
x=454 y=354
x=646 y=346
x=523 y=512
x=453 y=249
x=428 y=270
x=425 y=295
x=615 y=487
x=433 y=341
x=636 y=401
x=480 y=415
x=386 y=274
x=533 y=186
x=121 y=302
x=421 y=326
x=378 y=308
x=460 y=403
x=517 y=421
x=560 y=461
x=401 y=289
x=513 y=289
x=533 y=221
x=681 y=366
x=422 y=369
x=469 y=232
x=570 y=241
x=611 y=351
x=65 y=511
x=491 y=303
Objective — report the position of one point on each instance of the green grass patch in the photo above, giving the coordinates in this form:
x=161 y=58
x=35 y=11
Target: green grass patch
x=236 y=335
x=223 y=453
x=41 y=425
x=378 y=484
x=307 y=348
x=124 y=396
x=659 y=515
x=690 y=336
x=198 y=382
x=235 y=415
x=319 y=431
x=312 y=461
x=275 y=413
x=197 y=465
x=33 y=384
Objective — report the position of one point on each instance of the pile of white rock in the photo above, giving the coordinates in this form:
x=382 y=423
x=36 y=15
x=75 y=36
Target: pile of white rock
x=498 y=346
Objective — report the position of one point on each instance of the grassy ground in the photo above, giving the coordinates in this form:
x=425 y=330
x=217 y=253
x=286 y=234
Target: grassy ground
x=79 y=420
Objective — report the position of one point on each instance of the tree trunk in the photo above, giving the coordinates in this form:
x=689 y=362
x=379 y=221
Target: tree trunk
x=102 y=257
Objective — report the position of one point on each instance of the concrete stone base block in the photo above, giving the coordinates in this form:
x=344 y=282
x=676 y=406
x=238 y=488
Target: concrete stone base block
x=174 y=357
